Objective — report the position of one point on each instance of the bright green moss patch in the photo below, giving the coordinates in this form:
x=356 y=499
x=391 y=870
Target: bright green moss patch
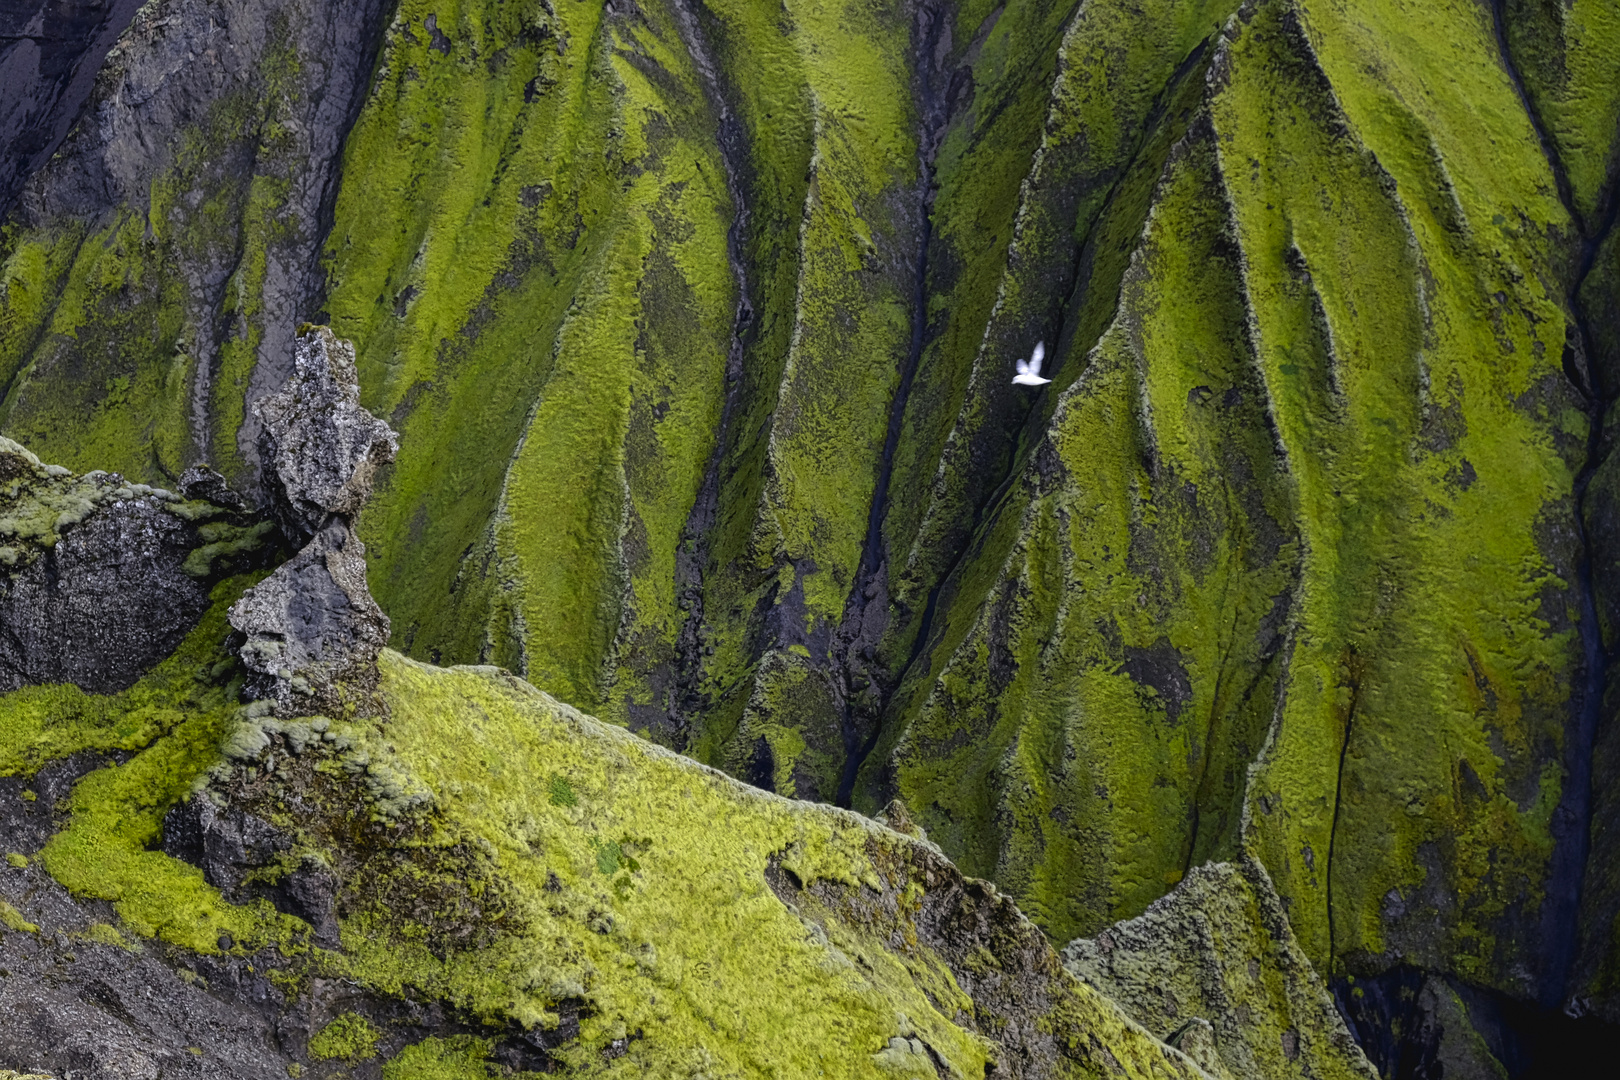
x=546 y=300
x=40 y=723
x=460 y=1057
x=15 y=860
x=173 y=720
x=1422 y=368
x=644 y=899
x=12 y=919
x=1568 y=55
x=349 y=1038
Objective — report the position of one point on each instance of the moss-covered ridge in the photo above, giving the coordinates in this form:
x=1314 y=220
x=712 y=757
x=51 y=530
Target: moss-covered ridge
x=696 y=320
x=532 y=870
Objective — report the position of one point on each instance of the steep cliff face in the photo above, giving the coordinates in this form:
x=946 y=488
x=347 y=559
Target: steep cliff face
x=696 y=321
x=50 y=53
x=157 y=265
x=449 y=872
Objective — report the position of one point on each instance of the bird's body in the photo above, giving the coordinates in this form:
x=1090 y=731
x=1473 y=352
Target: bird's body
x=1029 y=371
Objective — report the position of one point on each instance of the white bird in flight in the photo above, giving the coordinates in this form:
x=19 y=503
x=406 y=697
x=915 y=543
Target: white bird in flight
x=1029 y=371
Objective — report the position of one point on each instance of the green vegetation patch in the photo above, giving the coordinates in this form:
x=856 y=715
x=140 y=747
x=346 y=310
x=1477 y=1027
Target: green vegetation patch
x=350 y=1037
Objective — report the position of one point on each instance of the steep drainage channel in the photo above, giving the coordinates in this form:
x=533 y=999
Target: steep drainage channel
x=691 y=557
x=1567 y=868
x=862 y=723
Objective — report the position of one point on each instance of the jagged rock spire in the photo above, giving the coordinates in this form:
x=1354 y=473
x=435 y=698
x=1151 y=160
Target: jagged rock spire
x=313 y=631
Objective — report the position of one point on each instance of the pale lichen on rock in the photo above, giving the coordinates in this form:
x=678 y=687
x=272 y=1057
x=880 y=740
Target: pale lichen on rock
x=1214 y=969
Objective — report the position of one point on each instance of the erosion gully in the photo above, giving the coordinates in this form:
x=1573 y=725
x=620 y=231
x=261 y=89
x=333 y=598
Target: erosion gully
x=862 y=724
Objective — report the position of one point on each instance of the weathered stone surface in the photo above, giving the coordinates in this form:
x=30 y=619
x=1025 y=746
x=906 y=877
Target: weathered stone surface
x=186 y=212
x=228 y=845
x=50 y=52
x=1214 y=969
x=81 y=999
x=100 y=579
x=319 y=449
x=313 y=630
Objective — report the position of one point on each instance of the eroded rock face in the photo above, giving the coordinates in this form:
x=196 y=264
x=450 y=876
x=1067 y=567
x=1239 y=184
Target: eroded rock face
x=99 y=578
x=313 y=630
x=1213 y=969
x=50 y=51
x=229 y=844
x=319 y=448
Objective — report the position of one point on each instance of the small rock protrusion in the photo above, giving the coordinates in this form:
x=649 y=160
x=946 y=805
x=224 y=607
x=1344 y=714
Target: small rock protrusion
x=897 y=817
x=1197 y=1040
x=320 y=449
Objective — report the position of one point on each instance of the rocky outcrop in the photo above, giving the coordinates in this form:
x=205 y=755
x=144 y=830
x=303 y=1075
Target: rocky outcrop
x=1214 y=969
x=99 y=578
x=555 y=894
x=697 y=322
x=313 y=631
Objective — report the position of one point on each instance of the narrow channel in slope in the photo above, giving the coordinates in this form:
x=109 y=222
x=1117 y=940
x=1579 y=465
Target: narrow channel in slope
x=685 y=698
x=1567 y=866
x=856 y=643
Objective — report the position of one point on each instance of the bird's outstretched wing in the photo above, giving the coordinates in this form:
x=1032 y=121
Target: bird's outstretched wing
x=1029 y=371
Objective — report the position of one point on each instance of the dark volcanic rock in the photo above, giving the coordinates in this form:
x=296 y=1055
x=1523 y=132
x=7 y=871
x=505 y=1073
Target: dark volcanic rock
x=228 y=844
x=312 y=625
x=74 y=1002
x=100 y=579
x=50 y=51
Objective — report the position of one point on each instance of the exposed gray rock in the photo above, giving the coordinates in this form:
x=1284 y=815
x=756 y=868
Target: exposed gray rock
x=229 y=844
x=313 y=630
x=50 y=51
x=75 y=1003
x=100 y=579
x=270 y=89
x=320 y=450
x=1214 y=970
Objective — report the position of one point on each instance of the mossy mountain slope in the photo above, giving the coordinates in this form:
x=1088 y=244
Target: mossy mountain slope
x=697 y=320
x=514 y=886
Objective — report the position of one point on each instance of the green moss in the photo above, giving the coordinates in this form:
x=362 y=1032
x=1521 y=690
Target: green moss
x=118 y=346
x=1279 y=488
x=16 y=860
x=554 y=204
x=349 y=1038
x=1413 y=398
x=1037 y=163
x=107 y=934
x=224 y=542
x=460 y=1057
x=1568 y=54
x=173 y=720
x=1080 y=733
x=12 y=919
x=646 y=898
x=789 y=739
x=1218 y=949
